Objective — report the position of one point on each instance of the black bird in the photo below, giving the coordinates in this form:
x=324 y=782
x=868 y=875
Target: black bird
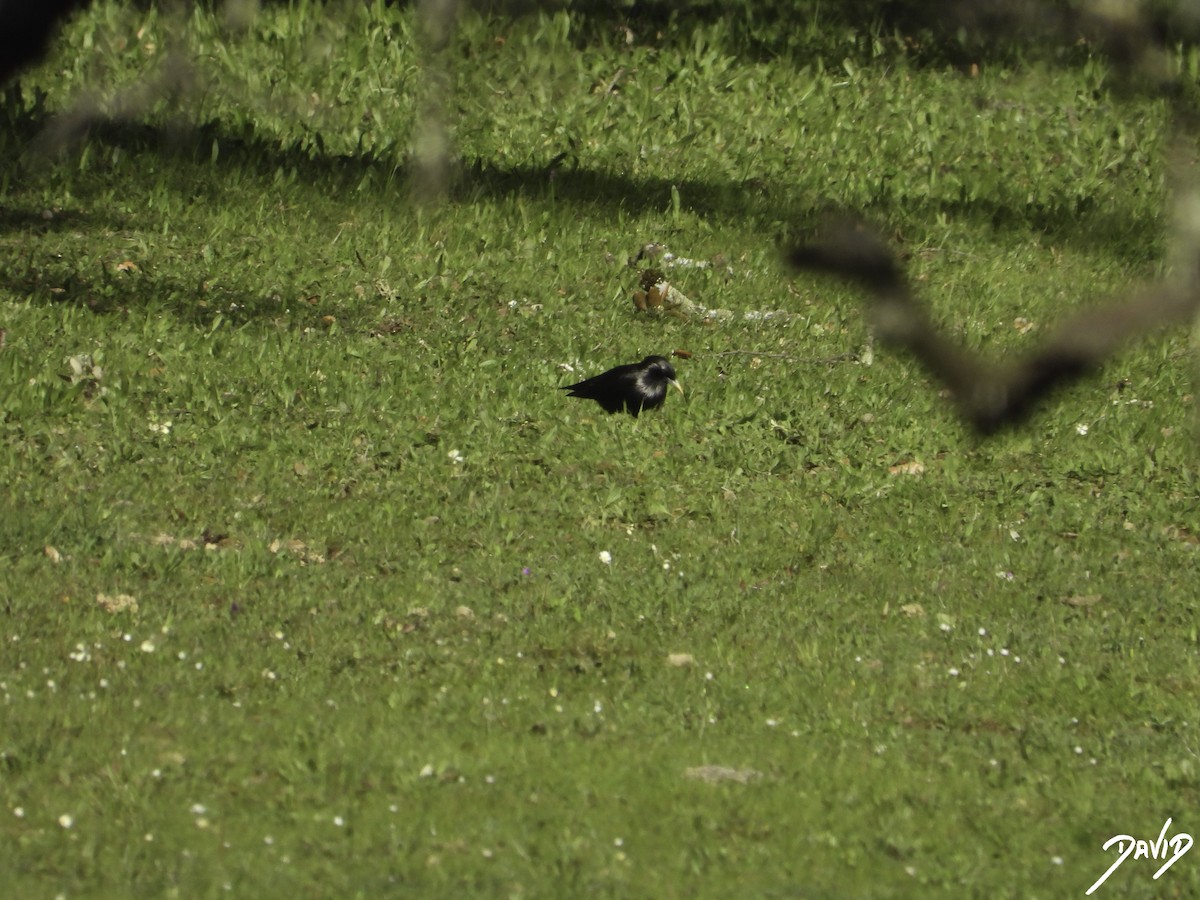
x=633 y=388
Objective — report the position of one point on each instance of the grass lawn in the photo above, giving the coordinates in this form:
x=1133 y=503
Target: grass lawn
x=313 y=583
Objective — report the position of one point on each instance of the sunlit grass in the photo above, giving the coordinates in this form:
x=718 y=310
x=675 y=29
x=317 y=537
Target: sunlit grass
x=315 y=582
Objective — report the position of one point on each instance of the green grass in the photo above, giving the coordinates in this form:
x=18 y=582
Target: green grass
x=314 y=432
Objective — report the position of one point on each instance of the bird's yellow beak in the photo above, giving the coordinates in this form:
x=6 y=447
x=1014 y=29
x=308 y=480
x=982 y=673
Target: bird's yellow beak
x=675 y=384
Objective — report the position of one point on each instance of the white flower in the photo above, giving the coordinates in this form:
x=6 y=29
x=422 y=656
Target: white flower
x=606 y=557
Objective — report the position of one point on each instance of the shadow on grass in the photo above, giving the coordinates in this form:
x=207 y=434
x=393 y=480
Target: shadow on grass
x=958 y=34
x=789 y=215
x=107 y=294
x=782 y=214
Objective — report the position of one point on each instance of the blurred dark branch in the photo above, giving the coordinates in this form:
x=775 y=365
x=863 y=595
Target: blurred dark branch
x=26 y=27
x=991 y=395
x=434 y=150
x=173 y=78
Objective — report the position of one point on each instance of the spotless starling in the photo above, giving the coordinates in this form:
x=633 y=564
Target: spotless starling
x=633 y=388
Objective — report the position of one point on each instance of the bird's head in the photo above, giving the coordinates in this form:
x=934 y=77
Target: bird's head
x=657 y=372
